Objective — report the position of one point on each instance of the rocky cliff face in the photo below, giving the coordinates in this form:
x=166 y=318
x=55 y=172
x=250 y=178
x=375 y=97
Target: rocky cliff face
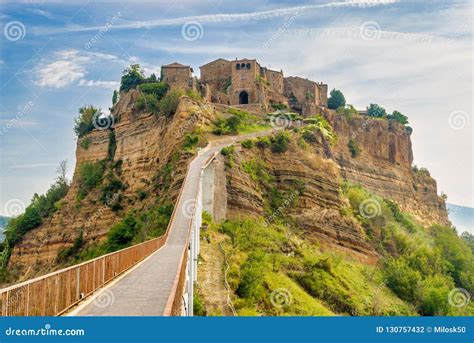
x=384 y=165
x=145 y=144
x=313 y=205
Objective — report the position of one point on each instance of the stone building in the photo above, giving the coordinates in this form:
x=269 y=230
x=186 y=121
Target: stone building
x=305 y=95
x=243 y=82
x=177 y=75
x=216 y=73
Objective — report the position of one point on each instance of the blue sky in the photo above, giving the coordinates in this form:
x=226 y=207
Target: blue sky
x=57 y=56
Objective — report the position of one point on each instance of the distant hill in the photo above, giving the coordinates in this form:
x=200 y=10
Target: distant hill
x=462 y=218
x=3 y=223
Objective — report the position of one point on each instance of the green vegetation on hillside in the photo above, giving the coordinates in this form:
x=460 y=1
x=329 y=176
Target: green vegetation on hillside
x=41 y=207
x=274 y=271
x=84 y=123
x=169 y=103
x=348 y=111
x=377 y=111
x=398 y=117
x=137 y=226
x=353 y=148
x=89 y=177
x=158 y=99
x=318 y=124
x=131 y=77
x=421 y=265
x=238 y=122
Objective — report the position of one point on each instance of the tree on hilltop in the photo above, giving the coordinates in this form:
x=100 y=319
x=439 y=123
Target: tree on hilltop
x=132 y=77
x=374 y=110
x=115 y=97
x=398 y=117
x=336 y=99
x=84 y=123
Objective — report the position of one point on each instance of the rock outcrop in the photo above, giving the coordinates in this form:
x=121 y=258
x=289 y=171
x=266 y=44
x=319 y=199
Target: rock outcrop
x=145 y=144
x=314 y=205
x=384 y=165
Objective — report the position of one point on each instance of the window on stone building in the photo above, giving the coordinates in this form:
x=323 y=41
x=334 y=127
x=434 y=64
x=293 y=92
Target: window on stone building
x=247 y=66
x=242 y=65
x=237 y=66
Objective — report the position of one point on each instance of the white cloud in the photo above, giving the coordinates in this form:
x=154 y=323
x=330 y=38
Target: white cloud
x=32 y=165
x=221 y=17
x=60 y=74
x=99 y=83
x=426 y=74
x=69 y=66
x=40 y=12
x=18 y=122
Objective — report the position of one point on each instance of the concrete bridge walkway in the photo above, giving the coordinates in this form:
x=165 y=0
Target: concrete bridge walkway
x=145 y=290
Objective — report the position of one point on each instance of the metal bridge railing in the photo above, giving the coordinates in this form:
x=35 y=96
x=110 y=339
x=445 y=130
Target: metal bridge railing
x=53 y=294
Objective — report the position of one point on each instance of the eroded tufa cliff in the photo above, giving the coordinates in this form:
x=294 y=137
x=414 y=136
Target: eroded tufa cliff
x=143 y=146
x=145 y=153
x=384 y=165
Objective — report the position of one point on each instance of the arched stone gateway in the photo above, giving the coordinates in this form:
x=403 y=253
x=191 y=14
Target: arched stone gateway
x=243 y=98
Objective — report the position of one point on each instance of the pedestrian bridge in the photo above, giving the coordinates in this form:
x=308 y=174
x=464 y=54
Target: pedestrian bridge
x=153 y=278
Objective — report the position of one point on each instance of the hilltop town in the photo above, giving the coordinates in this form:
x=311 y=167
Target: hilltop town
x=310 y=203
x=246 y=82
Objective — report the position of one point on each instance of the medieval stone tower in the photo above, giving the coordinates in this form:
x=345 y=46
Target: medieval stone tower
x=243 y=82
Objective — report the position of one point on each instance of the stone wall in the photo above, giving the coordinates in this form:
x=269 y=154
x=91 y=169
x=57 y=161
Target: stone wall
x=322 y=95
x=178 y=77
x=310 y=96
x=261 y=85
x=275 y=78
x=216 y=74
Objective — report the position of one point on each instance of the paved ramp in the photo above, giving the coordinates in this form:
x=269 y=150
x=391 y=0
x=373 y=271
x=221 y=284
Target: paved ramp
x=144 y=291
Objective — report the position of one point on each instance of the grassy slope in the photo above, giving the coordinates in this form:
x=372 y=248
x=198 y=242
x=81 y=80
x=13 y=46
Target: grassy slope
x=274 y=270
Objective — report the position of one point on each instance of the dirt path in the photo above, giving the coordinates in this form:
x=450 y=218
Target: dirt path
x=211 y=276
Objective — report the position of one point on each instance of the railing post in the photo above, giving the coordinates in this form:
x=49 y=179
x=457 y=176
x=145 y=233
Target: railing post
x=78 y=283
x=7 y=303
x=191 y=274
x=27 y=299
